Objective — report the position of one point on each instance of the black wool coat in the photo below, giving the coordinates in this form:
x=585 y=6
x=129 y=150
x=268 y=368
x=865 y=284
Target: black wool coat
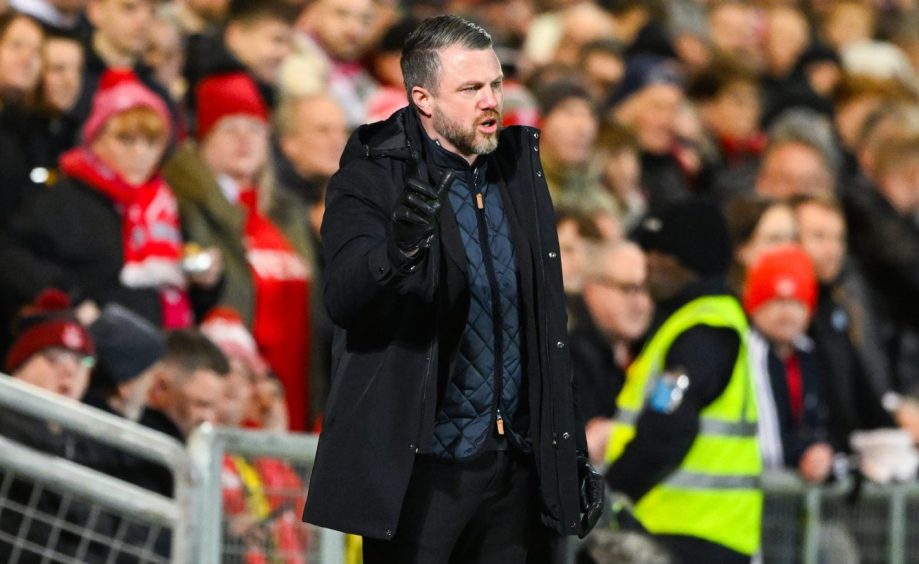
x=396 y=332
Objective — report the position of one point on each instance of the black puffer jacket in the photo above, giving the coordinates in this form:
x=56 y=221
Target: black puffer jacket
x=396 y=331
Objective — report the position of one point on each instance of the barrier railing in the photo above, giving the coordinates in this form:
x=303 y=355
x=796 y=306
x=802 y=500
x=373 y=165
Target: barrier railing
x=841 y=523
x=35 y=484
x=279 y=535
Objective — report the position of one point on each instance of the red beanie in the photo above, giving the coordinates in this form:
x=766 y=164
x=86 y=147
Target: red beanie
x=224 y=95
x=120 y=91
x=782 y=273
x=49 y=322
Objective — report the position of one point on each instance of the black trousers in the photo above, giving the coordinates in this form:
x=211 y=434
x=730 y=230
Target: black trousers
x=482 y=511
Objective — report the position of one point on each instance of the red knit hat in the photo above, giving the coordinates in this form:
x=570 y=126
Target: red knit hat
x=782 y=273
x=49 y=322
x=225 y=328
x=224 y=95
x=120 y=91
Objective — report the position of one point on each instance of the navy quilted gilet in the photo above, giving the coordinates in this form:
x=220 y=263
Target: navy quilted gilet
x=489 y=357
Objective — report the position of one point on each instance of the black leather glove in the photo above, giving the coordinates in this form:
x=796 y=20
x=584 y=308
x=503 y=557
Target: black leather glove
x=415 y=215
x=592 y=488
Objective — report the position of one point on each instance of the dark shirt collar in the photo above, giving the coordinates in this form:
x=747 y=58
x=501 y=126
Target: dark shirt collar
x=443 y=158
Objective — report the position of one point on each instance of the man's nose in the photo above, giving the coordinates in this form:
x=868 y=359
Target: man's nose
x=489 y=99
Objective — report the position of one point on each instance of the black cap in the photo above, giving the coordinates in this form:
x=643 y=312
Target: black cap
x=694 y=231
x=126 y=344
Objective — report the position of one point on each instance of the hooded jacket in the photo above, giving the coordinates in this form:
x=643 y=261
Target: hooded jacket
x=397 y=328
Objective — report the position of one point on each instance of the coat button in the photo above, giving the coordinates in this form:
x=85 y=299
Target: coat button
x=388 y=532
x=536 y=148
x=539 y=173
x=552 y=254
x=536 y=135
x=412 y=446
x=572 y=525
x=566 y=436
x=560 y=345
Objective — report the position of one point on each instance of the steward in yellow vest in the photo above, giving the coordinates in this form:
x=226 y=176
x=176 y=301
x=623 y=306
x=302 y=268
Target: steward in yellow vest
x=684 y=446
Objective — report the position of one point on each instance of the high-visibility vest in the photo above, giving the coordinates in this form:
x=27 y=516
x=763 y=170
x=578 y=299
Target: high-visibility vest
x=714 y=494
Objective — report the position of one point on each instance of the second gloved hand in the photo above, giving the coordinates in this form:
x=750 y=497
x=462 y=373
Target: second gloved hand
x=592 y=490
x=415 y=215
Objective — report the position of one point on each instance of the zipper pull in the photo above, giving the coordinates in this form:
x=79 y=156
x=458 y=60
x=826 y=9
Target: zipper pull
x=500 y=422
x=479 y=202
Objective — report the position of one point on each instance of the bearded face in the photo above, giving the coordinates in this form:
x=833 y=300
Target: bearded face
x=478 y=137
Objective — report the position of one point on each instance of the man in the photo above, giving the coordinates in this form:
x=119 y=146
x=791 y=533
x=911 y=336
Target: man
x=312 y=133
x=684 y=446
x=128 y=349
x=340 y=33
x=846 y=328
x=256 y=39
x=118 y=39
x=262 y=233
x=617 y=313
x=801 y=157
x=648 y=101
x=450 y=364
x=189 y=386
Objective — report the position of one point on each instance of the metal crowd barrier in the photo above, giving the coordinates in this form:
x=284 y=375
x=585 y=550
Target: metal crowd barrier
x=49 y=498
x=840 y=523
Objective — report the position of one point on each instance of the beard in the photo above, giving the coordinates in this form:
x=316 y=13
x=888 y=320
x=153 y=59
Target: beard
x=468 y=140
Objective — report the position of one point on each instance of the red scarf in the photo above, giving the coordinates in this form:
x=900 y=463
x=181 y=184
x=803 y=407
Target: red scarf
x=281 y=320
x=150 y=231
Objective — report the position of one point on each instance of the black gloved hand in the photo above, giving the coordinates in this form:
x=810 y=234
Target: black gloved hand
x=415 y=215
x=592 y=488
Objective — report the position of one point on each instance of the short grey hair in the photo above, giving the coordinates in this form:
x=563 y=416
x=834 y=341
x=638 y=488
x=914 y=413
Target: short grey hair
x=420 y=59
x=807 y=127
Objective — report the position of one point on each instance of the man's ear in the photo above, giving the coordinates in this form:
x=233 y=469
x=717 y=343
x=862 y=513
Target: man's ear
x=423 y=100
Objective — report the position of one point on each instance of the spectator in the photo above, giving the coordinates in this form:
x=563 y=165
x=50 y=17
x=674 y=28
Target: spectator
x=225 y=328
x=384 y=64
x=109 y=231
x=165 y=56
x=576 y=231
x=128 y=349
x=621 y=173
x=727 y=95
x=56 y=129
x=262 y=233
x=120 y=34
x=756 y=225
x=648 y=101
x=845 y=328
x=256 y=39
x=53 y=351
x=20 y=58
x=779 y=296
x=311 y=133
x=20 y=68
x=617 y=314
x=261 y=497
x=639 y=27
x=801 y=157
x=188 y=387
x=848 y=22
x=602 y=63
x=568 y=140
x=858 y=97
x=339 y=31
x=734 y=30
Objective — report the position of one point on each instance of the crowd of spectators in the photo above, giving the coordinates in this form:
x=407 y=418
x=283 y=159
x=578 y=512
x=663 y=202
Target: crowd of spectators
x=163 y=164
